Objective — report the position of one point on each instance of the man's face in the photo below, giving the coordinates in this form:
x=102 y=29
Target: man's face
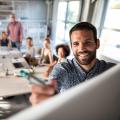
x=29 y=43
x=84 y=46
x=12 y=18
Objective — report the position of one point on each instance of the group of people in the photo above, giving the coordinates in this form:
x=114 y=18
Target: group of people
x=13 y=35
x=46 y=55
x=13 y=38
x=63 y=73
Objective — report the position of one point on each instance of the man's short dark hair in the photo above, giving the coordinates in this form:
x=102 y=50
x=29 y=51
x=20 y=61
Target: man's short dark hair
x=30 y=38
x=84 y=26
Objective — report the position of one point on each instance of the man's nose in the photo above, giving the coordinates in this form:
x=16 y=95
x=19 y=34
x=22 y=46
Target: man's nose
x=82 y=46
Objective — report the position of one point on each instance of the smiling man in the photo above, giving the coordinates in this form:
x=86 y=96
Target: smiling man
x=84 y=44
x=84 y=65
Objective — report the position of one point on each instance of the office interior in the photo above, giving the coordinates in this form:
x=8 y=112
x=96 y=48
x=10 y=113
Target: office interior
x=55 y=18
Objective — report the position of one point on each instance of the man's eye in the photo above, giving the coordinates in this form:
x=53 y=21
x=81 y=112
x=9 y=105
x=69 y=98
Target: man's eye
x=75 y=44
x=89 y=43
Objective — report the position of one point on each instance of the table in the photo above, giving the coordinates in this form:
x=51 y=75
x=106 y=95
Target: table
x=14 y=91
x=11 y=59
x=12 y=85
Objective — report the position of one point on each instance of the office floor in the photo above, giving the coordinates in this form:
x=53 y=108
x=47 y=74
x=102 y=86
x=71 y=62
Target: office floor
x=11 y=105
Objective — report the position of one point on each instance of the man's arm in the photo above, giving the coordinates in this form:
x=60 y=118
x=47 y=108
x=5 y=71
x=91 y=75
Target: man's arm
x=41 y=93
x=21 y=32
x=8 y=32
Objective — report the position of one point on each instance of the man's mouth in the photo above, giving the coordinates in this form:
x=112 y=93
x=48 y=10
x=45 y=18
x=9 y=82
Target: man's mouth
x=84 y=55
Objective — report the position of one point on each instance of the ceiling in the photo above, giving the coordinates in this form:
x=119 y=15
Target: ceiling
x=6 y=8
x=10 y=6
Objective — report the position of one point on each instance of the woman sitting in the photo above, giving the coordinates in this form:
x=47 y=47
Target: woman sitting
x=46 y=54
x=4 y=41
x=63 y=52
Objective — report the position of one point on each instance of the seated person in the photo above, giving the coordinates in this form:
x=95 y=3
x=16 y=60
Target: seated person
x=46 y=54
x=63 y=52
x=4 y=41
x=30 y=54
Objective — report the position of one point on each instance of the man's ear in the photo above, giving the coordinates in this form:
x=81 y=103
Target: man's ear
x=98 y=43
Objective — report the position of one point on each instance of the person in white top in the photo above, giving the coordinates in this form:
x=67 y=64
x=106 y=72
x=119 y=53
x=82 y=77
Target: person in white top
x=30 y=47
x=30 y=53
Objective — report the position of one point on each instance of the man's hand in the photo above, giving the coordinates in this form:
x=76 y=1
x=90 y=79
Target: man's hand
x=41 y=93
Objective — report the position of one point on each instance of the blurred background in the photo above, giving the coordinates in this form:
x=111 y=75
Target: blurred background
x=55 y=18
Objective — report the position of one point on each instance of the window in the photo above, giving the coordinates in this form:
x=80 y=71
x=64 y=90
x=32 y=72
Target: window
x=110 y=38
x=113 y=15
x=73 y=11
x=68 y=15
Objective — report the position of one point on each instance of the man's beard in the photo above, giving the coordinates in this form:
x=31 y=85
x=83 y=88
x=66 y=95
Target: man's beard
x=86 y=57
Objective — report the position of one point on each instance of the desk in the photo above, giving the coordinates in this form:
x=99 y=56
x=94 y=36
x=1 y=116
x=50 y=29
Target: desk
x=8 y=57
x=19 y=89
x=11 y=86
x=14 y=90
x=10 y=52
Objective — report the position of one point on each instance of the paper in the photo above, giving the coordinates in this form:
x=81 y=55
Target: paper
x=18 y=60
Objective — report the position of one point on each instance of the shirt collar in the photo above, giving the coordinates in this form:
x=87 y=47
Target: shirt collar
x=92 y=71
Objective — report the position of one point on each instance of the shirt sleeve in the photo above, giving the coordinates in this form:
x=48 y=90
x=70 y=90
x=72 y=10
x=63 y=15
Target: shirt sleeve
x=8 y=32
x=21 y=32
x=58 y=73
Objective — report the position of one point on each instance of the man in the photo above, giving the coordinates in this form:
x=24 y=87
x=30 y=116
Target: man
x=30 y=53
x=30 y=47
x=14 y=32
x=84 y=65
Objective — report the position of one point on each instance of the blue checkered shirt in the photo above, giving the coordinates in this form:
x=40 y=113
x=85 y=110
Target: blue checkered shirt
x=69 y=73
